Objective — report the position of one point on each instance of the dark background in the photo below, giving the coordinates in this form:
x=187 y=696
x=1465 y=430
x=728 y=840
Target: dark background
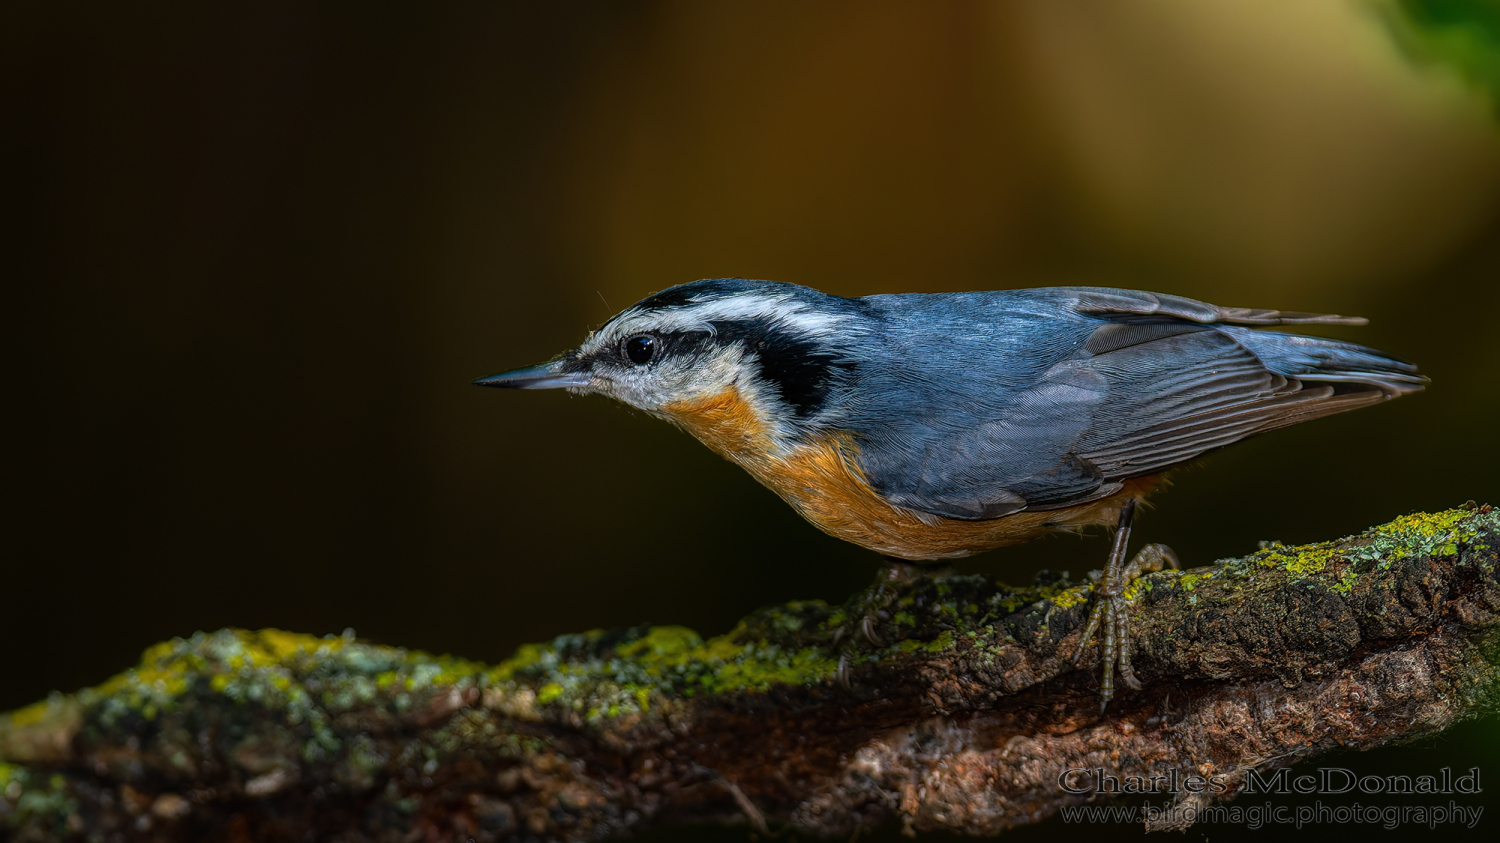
x=254 y=257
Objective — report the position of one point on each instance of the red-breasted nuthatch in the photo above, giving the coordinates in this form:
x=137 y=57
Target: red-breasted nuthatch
x=931 y=426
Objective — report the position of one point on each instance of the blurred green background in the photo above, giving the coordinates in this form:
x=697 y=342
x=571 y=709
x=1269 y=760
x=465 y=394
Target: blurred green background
x=256 y=254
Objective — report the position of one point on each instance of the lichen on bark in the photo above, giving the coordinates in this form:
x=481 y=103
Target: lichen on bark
x=962 y=721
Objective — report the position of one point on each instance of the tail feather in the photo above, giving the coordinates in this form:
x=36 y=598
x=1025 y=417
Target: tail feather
x=1321 y=360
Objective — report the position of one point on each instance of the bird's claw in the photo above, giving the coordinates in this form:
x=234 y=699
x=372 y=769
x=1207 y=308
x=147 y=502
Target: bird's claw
x=869 y=610
x=1111 y=611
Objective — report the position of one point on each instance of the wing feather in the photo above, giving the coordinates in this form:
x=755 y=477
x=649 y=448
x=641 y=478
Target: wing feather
x=1091 y=387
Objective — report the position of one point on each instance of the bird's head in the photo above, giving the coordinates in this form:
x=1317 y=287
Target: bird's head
x=712 y=353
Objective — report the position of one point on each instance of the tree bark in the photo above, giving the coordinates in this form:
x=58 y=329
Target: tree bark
x=968 y=719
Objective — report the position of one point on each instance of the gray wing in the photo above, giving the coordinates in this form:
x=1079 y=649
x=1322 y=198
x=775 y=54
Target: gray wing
x=1143 y=383
x=975 y=460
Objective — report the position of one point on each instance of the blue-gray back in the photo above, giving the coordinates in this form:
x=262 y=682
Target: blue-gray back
x=975 y=405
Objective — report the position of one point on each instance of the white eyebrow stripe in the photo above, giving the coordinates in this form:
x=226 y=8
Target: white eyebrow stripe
x=700 y=316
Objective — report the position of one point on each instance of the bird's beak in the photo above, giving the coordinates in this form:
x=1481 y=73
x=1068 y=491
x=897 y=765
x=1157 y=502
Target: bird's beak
x=544 y=376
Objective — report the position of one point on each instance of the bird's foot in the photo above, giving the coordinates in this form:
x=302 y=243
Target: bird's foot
x=1111 y=612
x=867 y=611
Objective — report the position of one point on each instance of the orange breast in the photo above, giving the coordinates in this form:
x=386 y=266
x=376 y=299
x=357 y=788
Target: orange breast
x=823 y=482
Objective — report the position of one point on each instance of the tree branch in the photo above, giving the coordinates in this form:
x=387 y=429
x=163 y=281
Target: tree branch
x=966 y=723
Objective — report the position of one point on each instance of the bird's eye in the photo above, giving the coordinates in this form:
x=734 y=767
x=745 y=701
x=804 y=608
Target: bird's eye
x=639 y=349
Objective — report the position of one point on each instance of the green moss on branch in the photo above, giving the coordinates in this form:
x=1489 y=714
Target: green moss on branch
x=271 y=734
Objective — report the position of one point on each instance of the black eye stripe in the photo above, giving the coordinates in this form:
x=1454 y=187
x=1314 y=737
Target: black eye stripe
x=800 y=369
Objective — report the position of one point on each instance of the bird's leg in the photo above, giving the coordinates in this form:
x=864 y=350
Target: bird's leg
x=1152 y=557
x=1111 y=610
x=873 y=605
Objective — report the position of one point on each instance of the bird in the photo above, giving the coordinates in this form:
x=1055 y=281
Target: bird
x=932 y=426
